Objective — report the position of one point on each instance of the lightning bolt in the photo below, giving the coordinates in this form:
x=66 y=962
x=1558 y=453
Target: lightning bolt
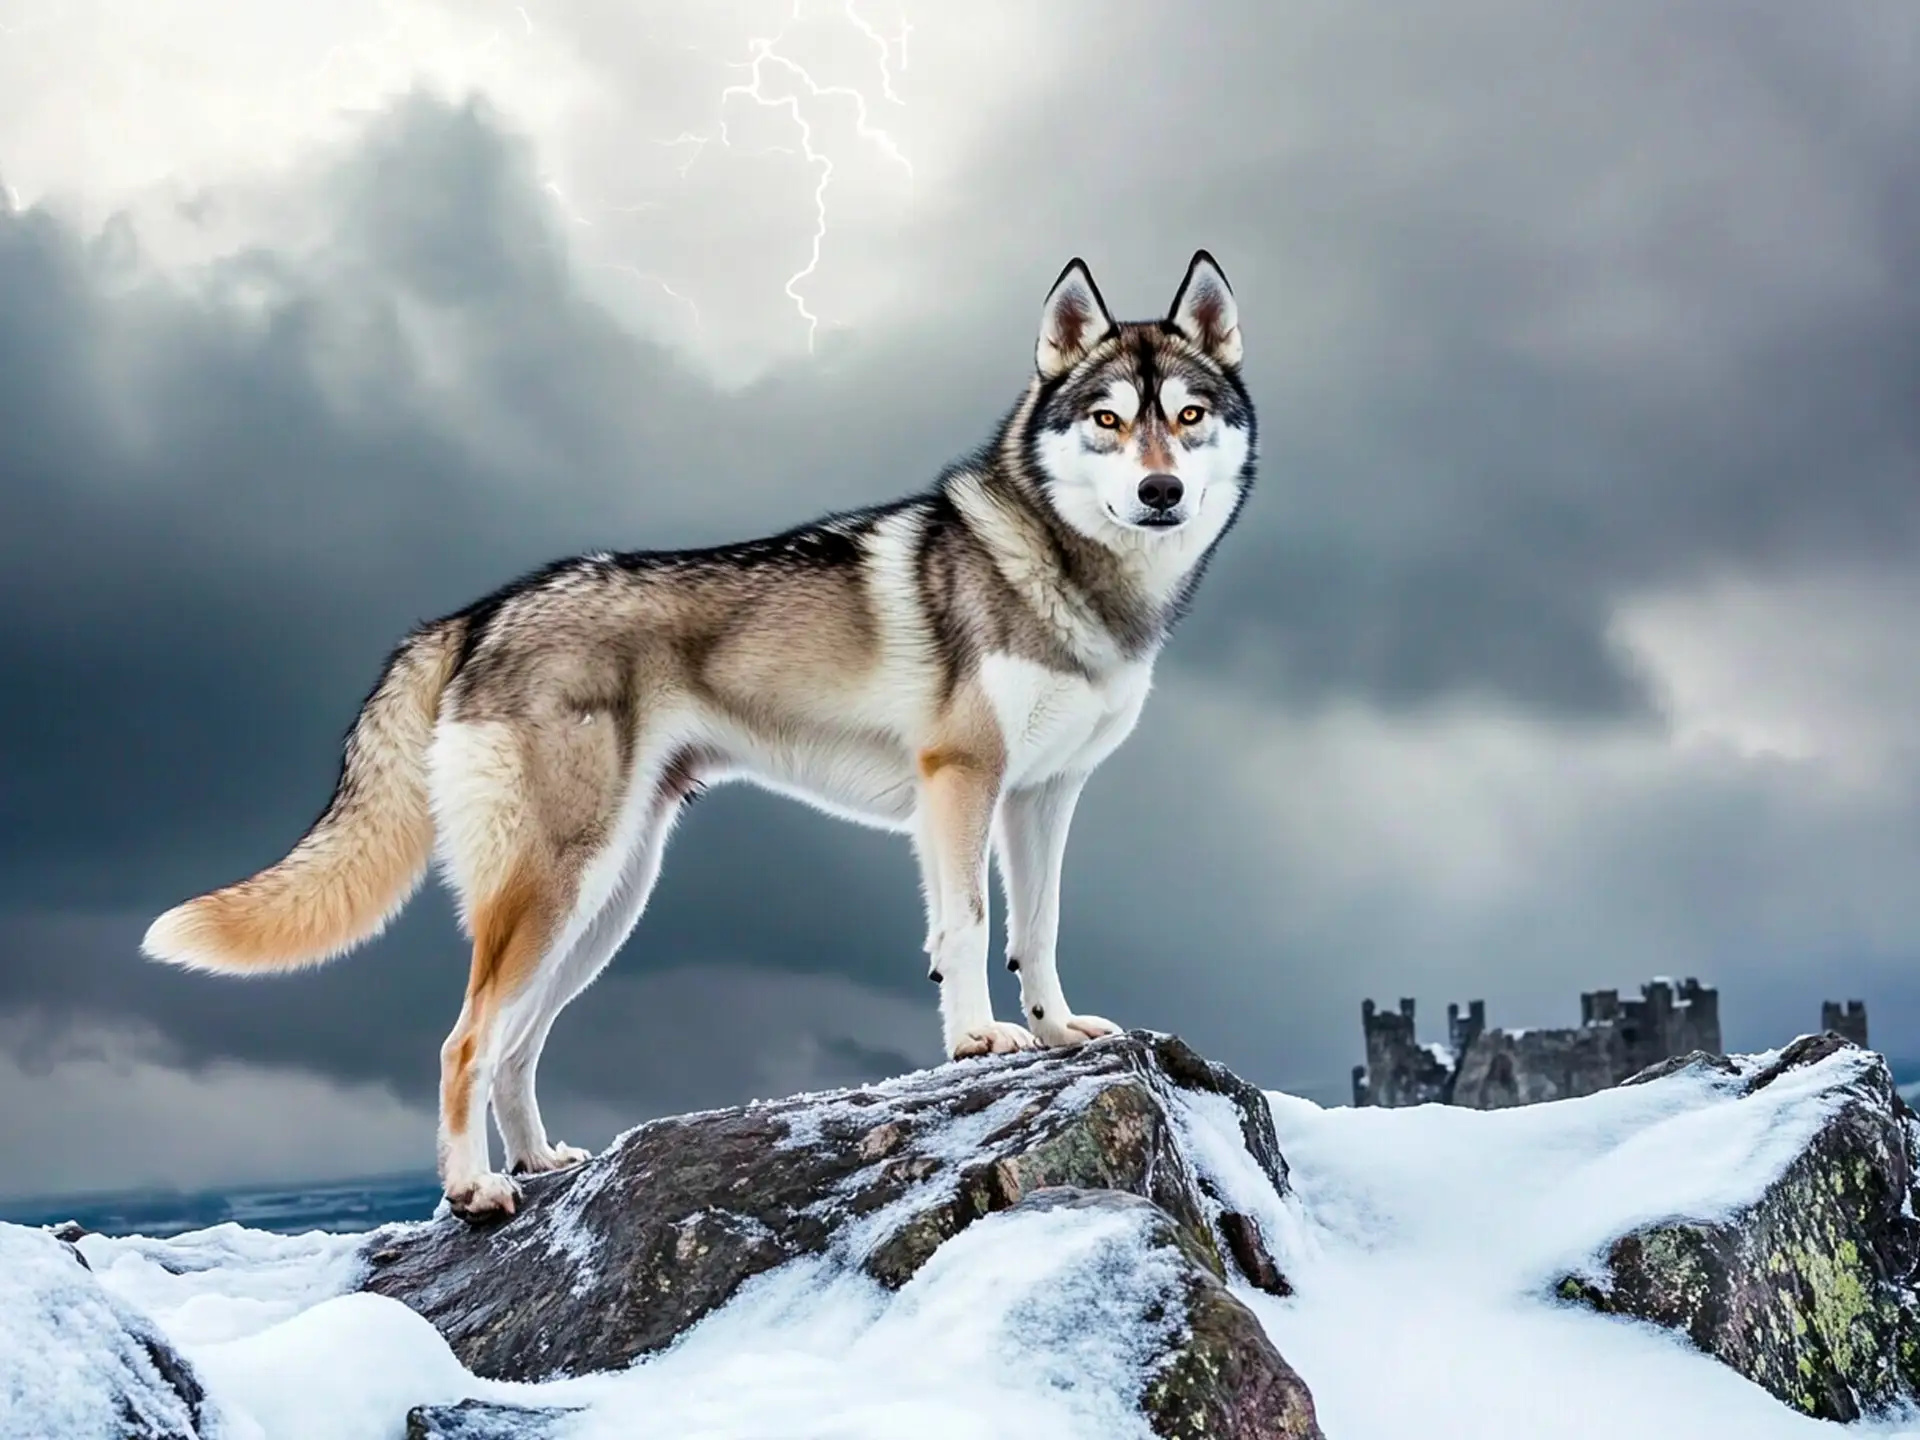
x=686 y=137
x=577 y=217
x=886 y=48
x=766 y=67
x=763 y=64
x=770 y=78
x=552 y=187
x=763 y=57
x=665 y=286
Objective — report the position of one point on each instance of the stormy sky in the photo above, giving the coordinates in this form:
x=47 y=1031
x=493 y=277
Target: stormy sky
x=1568 y=639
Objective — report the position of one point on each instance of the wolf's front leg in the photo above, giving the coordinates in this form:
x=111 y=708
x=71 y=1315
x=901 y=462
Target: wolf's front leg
x=956 y=816
x=1032 y=842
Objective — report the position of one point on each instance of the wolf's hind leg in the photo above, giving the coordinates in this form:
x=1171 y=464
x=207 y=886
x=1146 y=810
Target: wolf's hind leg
x=520 y=804
x=516 y=1110
x=511 y=930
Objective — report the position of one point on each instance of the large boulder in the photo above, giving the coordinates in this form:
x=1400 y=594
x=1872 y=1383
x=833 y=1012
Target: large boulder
x=618 y=1258
x=80 y=1363
x=1809 y=1290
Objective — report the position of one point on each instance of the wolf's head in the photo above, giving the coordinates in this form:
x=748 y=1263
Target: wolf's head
x=1142 y=431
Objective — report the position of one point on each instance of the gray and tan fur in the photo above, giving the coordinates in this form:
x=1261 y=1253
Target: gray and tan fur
x=953 y=665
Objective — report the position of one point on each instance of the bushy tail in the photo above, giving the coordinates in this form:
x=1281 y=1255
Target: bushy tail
x=362 y=859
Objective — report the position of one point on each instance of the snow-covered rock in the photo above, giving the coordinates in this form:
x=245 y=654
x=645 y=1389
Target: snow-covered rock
x=479 y=1420
x=1809 y=1289
x=619 y=1258
x=77 y=1362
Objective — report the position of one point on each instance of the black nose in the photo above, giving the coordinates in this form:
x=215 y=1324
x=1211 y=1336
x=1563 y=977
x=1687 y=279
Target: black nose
x=1161 y=492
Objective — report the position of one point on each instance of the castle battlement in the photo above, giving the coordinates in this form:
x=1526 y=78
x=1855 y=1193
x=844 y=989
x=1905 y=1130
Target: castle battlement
x=1492 y=1069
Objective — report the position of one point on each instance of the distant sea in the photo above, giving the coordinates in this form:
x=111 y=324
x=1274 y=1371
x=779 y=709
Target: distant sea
x=287 y=1209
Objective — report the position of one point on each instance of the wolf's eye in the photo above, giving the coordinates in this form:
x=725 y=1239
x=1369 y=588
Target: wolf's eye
x=1106 y=419
x=1192 y=415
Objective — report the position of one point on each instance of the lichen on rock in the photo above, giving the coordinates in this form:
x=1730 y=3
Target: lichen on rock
x=1810 y=1290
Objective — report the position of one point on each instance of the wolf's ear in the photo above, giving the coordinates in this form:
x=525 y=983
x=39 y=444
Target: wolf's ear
x=1204 y=311
x=1074 y=320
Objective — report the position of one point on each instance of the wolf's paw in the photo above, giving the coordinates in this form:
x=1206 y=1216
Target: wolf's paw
x=1072 y=1029
x=996 y=1037
x=552 y=1157
x=484 y=1199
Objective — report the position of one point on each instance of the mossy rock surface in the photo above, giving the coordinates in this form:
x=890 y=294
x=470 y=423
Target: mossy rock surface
x=1810 y=1291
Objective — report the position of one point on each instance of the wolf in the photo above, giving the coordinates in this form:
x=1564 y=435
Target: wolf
x=953 y=665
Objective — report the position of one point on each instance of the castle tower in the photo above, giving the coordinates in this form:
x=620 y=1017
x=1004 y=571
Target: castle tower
x=1399 y=1070
x=1463 y=1030
x=1699 y=1027
x=1850 y=1020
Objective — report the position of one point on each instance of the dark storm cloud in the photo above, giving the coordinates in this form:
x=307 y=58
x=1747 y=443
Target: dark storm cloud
x=205 y=546
x=207 y=541
x=1541 y=306
x=209 y=536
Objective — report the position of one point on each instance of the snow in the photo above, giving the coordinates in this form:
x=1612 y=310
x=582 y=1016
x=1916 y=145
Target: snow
x=71 y=1353
x=349 y=1368
x=1422 y=1245
x=1034 y=1315
x=226 y=1281
x=1041 y=1315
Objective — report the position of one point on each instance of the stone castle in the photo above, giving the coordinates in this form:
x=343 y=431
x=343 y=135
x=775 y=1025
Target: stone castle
x=1487 y=1069
x=1850 y=1020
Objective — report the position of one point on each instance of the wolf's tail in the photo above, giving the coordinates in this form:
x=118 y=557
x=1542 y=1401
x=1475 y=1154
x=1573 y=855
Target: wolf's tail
x=360 y=862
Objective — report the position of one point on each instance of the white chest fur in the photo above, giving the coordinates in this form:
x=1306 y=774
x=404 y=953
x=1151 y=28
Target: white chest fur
x=1055 y=723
